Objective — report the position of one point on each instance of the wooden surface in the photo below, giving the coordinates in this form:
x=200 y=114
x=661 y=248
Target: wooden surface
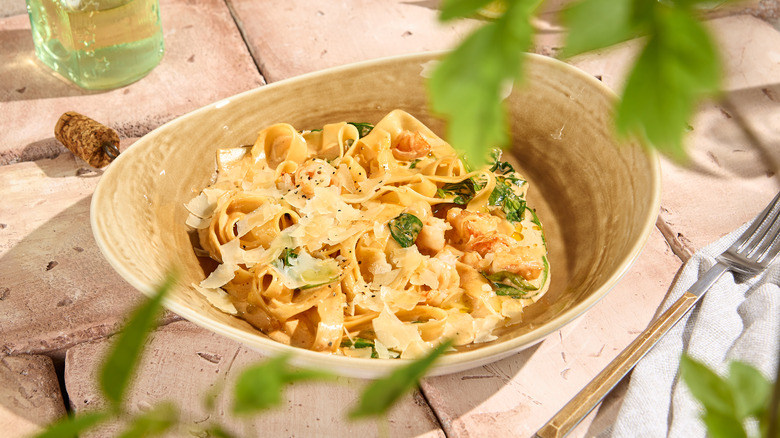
x=59 y=299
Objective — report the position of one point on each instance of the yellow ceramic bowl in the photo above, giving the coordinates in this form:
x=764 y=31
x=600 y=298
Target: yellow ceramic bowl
x=597 y=199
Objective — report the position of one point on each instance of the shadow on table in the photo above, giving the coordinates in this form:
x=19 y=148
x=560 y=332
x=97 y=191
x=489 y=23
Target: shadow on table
x=24 y=77
x=476 y=386
x=728 y=138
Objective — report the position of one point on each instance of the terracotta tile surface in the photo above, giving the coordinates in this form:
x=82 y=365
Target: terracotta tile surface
x=30 y=396
x=291 y=38
x=57 y=290
x=182 y=363
x=58 y=295
x=12 y=7
x=205 y=60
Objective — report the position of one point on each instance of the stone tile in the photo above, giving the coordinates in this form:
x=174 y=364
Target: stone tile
x=291 y=38
x=205 y=61
x=182 y=363
x=30 y=396
x=726 y=181
x=56 y=289
x=517 y=395
x=12 y=7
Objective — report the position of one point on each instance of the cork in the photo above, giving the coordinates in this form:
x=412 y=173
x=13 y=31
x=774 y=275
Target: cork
x=96 y=143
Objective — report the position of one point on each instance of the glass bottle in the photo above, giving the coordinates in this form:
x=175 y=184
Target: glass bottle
x=97 y=44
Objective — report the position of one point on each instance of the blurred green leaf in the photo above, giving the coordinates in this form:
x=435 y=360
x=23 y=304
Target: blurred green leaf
x=712 y=391
x=722 y=426
x=217 y=431
x=121 y=362
x=154 y=422
x=381 y=394
x=72 y=426
x=261 y=386
x=468 y=85
x=597 y=24
x=678 y=66
x=751 y=390
x=452 y=9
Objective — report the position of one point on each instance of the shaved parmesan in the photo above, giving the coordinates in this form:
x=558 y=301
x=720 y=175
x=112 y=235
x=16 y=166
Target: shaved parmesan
x=394 y=334
x=218 y=298
x=484 y=328
x=305 y=270
x=258 y=217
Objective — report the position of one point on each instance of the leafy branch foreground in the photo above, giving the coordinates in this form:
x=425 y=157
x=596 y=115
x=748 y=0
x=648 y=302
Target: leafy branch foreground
x=677 y=67
x=258 y=388
x=733 y=404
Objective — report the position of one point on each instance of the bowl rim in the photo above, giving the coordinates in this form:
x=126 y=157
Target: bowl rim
x=373 y=368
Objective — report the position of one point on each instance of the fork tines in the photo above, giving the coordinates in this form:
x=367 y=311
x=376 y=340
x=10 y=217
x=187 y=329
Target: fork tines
x=759 y=244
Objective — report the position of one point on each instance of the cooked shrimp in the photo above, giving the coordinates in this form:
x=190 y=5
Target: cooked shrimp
x=315 y=173
x=468 y=224
x=508 y=255
x=410 y=145
x=431 y=238
x=488 y=244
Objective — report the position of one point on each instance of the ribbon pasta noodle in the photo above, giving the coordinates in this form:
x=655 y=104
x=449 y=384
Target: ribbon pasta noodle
x=368 y=241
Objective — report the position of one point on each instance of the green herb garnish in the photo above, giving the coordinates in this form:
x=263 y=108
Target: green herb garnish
x=360 y=343
x=500 y=167
x=405 y=229
x=287 y=256
x=504 y=195
x=462 y=192
x=414 y=162
x=510 y=284
x=363 y=128
x=535 y=220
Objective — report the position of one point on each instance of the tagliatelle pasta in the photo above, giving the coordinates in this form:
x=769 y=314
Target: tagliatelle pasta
x=368 y=241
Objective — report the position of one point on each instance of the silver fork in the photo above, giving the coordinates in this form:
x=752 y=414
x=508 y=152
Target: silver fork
x=752 y=253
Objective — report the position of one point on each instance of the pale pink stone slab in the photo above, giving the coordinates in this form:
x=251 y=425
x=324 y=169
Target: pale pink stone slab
x=30 y=396
x=56 y=289
x=182 y=363
x=291 y=38
x=205 y=60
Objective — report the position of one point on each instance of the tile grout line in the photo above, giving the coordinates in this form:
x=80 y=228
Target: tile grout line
x=245 y=39
x=421 y=391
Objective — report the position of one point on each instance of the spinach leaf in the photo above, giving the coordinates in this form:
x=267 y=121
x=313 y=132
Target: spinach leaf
x=360 y=343
x=462 y=191
x=363 y=128
x=510 y=284
x=405 y=228
x=500 y=167
x=505 y=197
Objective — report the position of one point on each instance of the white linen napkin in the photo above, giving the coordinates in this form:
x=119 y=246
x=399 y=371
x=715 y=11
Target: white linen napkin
x=737 y=319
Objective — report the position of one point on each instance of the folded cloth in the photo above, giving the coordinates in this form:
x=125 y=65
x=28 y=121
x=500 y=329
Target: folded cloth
x=737 y=319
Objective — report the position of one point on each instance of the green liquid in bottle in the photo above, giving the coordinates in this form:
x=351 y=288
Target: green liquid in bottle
x=97 y=44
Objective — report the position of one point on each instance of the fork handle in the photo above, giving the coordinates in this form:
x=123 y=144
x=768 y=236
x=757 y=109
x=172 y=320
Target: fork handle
x=595 y=391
